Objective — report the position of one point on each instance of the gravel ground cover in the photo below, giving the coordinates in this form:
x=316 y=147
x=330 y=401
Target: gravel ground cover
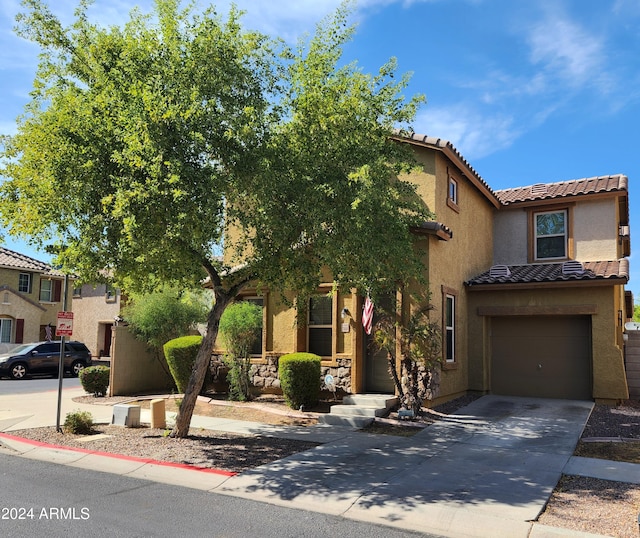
x=578 y=503
x=601 y=506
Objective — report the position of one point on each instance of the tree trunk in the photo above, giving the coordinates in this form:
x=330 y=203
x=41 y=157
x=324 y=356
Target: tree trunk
x=393 y=370
x=183 y=420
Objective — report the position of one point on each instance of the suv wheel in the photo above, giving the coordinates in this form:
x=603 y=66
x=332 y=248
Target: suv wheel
x=76 y=368
x=19 y=370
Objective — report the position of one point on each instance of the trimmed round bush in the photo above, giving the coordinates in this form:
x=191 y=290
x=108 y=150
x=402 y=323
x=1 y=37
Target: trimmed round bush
x=95 y=379
x=299 y=375
x=181 y=356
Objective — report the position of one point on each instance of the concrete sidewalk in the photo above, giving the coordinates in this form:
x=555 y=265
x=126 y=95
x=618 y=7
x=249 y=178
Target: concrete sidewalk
x=488 y=471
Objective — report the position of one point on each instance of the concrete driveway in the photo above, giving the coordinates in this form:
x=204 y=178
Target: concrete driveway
x=487 y=471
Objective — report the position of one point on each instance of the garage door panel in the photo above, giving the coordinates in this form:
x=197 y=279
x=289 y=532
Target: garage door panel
x=545 y=356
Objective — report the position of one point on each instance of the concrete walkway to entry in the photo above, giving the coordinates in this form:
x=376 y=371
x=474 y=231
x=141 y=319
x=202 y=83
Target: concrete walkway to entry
x=486 y=471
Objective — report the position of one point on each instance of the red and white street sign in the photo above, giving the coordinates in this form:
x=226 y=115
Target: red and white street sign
x=64 y=326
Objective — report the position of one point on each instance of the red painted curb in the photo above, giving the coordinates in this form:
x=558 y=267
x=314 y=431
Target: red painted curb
x=118 y=456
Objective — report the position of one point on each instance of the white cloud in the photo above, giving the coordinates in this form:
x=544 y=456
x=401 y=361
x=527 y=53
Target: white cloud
x=565 y=50
x=474 y=133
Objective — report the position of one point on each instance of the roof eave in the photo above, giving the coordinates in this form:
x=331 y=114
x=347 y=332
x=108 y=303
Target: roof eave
x=573 y=283
x=436 y=229
x=570 y=198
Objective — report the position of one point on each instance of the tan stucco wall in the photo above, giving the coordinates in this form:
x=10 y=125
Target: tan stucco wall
x=135 y=369
x=450 y=263
x=18 y=308
x=596 y=230
x=281 y=325
x=510 y=233
x=91 y=311
x=609 y=381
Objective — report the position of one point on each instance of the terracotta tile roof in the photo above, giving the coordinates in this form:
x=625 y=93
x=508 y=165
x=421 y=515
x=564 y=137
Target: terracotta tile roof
x=15 y=260
x=552 y=272
x=563 y=189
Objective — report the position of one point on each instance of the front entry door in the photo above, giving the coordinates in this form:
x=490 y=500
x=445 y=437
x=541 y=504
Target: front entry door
x=377 y=376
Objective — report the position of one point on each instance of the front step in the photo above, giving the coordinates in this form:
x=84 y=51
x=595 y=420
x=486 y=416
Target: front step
x=359 y=410
x=371 y=400
x=345 y=420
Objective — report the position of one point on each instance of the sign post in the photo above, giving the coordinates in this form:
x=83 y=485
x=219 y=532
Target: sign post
x=64 y=327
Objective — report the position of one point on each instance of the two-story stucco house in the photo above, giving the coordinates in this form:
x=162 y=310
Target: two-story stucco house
x=30 y=298
x=527 y=285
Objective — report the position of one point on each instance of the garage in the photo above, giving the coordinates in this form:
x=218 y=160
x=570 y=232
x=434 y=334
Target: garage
x=541 y=356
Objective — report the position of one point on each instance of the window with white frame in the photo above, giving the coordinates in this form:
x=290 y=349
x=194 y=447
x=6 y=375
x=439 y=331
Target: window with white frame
x=450 y=328
x=320 y=326
x=46 y=291
x=24 y=283
x=5 y=330
x=550 y=228
x=453 y=191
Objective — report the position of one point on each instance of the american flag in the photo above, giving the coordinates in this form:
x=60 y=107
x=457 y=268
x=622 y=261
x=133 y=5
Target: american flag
x=47 y=332
x=367 y=315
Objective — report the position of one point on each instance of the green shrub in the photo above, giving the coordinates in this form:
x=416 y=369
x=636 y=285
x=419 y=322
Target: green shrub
x=95 y=379
x=181 y=356
x=165 y=314
x=299 y=375
x=240 y=328
x=78 y=422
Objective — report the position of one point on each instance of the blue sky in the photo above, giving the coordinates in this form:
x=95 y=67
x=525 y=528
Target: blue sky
x=528 y=91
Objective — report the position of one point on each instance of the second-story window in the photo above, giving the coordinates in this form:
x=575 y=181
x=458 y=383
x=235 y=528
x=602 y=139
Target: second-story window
x=24 y=283
x=550 y=235
x=46 y=291
x=320 y=327
x=452 y=194
x=50 y=290
x=453 y=191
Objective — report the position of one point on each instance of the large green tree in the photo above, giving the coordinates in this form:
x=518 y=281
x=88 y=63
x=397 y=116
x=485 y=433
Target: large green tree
x=143 y=145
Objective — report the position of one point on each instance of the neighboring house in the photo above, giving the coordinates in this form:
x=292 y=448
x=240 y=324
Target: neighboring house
x=527 y=285
x=30 y=298
x=95 y=309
